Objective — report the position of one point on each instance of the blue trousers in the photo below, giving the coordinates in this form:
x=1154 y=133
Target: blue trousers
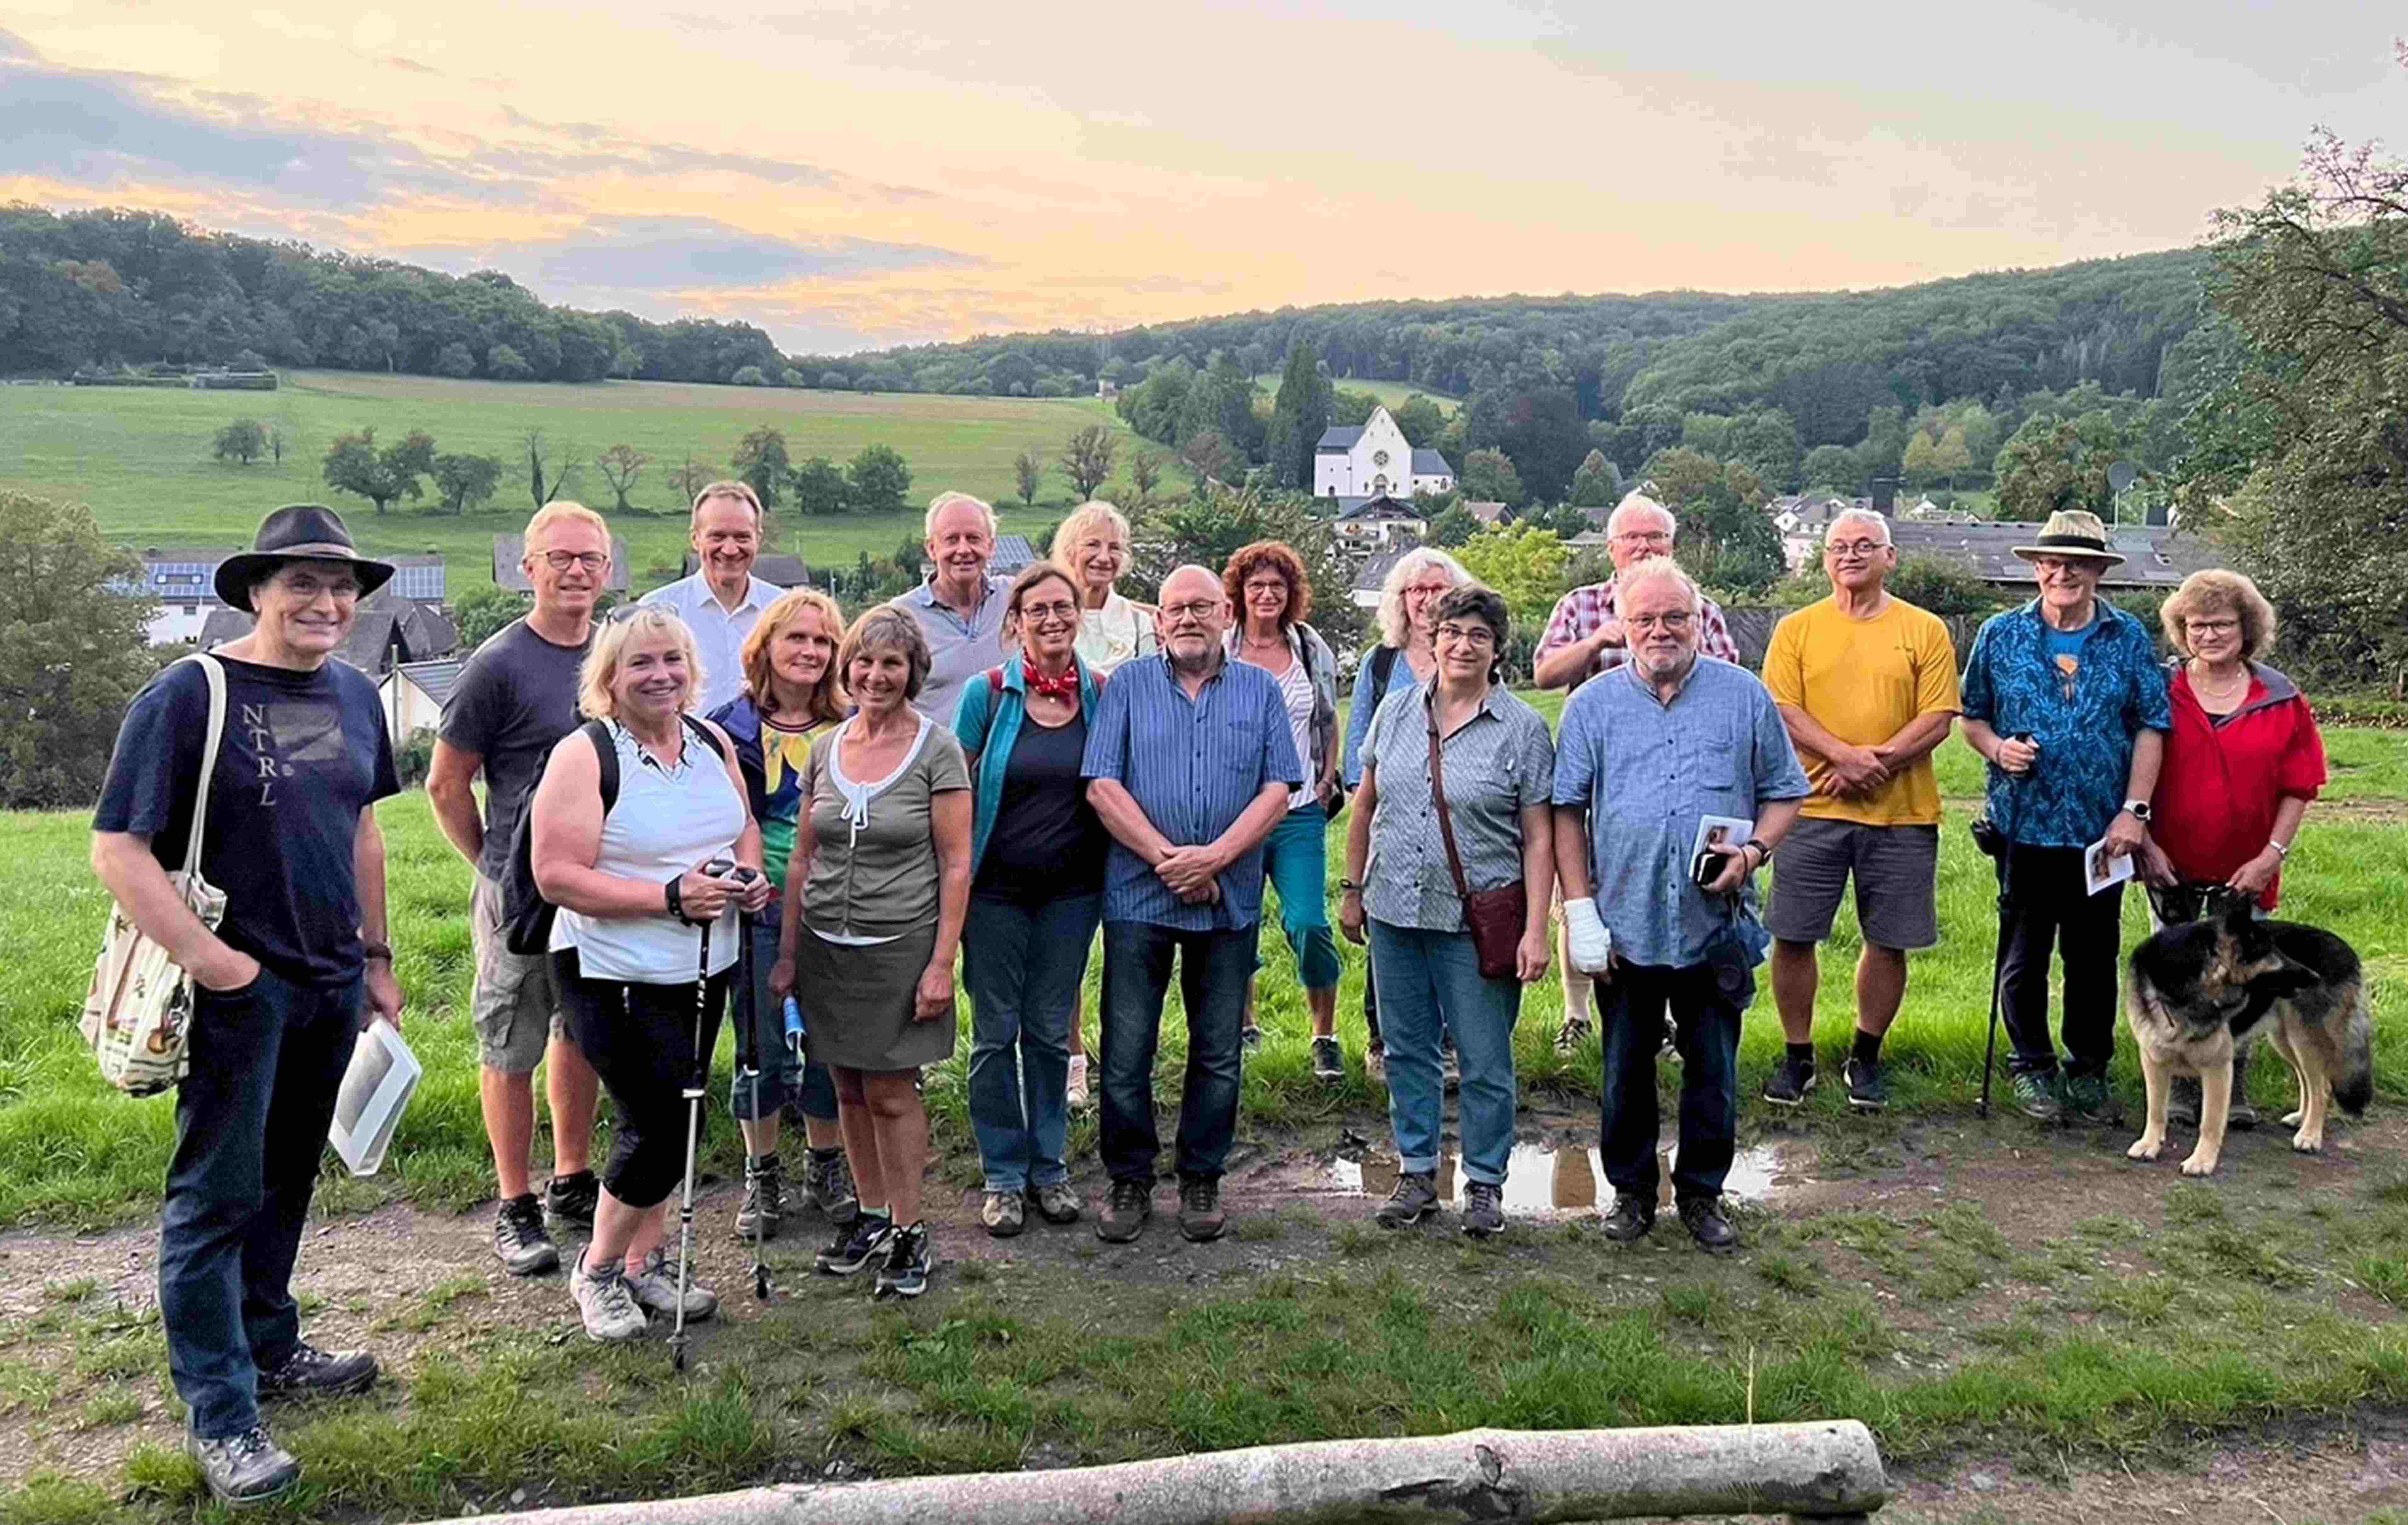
x=1023 y=964
x=250 y=1126
x=1213 y=968
x=1430 y=982
x=1706 y=1001
x=1296 y=860
x=810 y=1085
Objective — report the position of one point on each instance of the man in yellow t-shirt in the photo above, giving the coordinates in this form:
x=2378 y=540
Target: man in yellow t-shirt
x=1867 y=684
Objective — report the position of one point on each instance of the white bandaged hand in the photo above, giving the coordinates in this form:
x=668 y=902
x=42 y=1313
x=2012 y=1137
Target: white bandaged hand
x=1587 y=943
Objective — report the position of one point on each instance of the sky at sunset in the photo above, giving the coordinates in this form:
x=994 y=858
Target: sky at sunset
x=881 y=173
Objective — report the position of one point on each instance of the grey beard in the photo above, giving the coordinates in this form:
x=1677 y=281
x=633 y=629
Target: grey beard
x=1209 y=662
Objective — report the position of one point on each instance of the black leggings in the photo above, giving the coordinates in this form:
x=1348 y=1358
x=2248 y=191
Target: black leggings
x=639 y=1039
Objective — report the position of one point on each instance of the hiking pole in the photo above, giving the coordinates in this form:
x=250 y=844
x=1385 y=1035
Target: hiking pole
x=748 y=1064
x=694 y=1094
x=1999 y=847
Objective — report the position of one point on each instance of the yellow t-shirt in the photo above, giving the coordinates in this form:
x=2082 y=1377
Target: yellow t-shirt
x=1864 y=680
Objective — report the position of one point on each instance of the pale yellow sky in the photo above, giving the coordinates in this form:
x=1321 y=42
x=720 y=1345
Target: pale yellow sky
x=897 y=172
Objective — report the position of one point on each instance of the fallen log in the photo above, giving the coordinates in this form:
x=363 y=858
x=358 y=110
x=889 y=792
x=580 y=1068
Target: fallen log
x=1829 y=1469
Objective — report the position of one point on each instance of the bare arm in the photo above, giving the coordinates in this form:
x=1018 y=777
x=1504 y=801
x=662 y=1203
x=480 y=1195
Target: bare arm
x=1247 y=832
x=448 y=778
x=1571 y=851
x=566 y=822
x=949 y=817
x=1854 y=769
x=2124 y=833
x=384 y=996
x=1569 y=664
x=2011 y=756
x=1122 y=816
x=1539 y=886
x=135 y=881
x=1351 y=919
x=1917 y=738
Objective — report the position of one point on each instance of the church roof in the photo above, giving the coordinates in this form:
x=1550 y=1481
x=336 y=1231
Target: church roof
x=1430 y=464
x=1340 y=437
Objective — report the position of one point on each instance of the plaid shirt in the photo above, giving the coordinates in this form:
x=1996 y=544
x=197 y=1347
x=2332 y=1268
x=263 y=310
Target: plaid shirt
x=1581 y=613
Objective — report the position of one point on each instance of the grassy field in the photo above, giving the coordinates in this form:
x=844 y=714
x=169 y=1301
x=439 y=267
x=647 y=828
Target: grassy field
x=1390 y=394
x=141 y=458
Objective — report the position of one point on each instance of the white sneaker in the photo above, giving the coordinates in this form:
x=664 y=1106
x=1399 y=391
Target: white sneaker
x=606 y=1302
x=1077 y=1091
x=656 y=1288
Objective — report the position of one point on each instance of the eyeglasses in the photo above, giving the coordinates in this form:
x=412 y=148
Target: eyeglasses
x=561 y=561
x=1642 y=537
x=1850 y=549
x=1201 y=610
x=2212 y=627
x=1678 y=619
x=1469 y=634
x=1034 y=612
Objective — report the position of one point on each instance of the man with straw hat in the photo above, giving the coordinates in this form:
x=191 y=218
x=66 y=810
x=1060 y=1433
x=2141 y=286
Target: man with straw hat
x=2065 y=700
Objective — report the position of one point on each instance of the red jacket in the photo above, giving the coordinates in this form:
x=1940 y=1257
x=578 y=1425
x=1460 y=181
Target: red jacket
x=2224 y=776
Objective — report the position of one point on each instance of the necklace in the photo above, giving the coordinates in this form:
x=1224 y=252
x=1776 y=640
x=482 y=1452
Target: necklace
x=2221 y=692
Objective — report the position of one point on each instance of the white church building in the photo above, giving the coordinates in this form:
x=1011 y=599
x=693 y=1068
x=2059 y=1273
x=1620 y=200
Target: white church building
x=1373 y=460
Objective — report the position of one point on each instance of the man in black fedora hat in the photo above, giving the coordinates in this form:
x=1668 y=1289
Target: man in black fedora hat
x=284 y=982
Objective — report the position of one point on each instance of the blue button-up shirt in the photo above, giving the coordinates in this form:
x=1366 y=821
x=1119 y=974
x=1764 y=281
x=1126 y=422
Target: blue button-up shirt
x=1650 y=771
x=2084 y=723
x=1193 y=766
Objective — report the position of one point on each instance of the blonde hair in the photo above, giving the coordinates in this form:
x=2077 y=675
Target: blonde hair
x=944 y=501
x=560 y=510
x=741 y=492
x=2202 y=590
x=601 y=666
x=1083 y=521
x=828 y=702
x=1412 y=564
x=1658 y=569
x=887 y=625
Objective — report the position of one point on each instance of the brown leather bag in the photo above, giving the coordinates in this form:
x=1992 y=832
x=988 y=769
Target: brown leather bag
x=1496 y=916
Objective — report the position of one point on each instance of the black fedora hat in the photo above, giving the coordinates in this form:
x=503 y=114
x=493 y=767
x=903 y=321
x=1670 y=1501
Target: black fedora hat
x=301 y=532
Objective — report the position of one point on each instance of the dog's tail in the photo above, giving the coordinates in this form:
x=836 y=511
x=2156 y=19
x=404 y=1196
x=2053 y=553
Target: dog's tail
x=2352 y=1083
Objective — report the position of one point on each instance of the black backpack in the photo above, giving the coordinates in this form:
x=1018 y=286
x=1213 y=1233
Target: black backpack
x=527 y=916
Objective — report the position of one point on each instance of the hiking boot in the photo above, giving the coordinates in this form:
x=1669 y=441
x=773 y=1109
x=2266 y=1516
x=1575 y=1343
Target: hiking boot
x=311 y=1373
x=1250 y=1038
x=2037 y=1095
x=1569 y=1036
x=1076 y=1094
x=1375 y=1064
x=657 y=1290
x=520 y=1242
x=571 y=1199
x=1789 y=1082
x=1328 y=1063
x=1125 y=1211
x=1002 y=1213
x=244 y=1469
x=827 y=1185
x=1200 y=1218
x=1868 y=1087
x=765 y=1198
x=1703 y=1218
x=1631 y=1217
x=1057 y=1202
x=1484 y=1209
x=906 y=1270
x=856 y=1244
x=606 y=1302
x=1414 y=1199
x=2182 y=1107
x=2087 y=1100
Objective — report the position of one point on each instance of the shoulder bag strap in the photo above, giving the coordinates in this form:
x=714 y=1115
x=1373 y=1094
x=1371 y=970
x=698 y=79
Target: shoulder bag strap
x=1446 y=817
x=215 y=672
x=605 y=753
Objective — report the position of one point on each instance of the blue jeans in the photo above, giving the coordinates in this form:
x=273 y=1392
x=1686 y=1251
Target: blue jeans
x=810 y=1085
x=251 y=1125
x=1295 y=858
x=1023 y=964
x=1706 y=1002
x=1430 y=982
x=1213 y=968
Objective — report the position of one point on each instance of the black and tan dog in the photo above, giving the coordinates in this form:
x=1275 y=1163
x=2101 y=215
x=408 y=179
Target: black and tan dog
x=2200 y=988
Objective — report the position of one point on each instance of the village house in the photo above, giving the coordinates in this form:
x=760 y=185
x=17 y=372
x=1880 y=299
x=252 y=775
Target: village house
x=1372 y=460
x=184 y=582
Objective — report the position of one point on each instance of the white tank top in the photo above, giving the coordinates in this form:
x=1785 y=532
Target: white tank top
x=666 y=820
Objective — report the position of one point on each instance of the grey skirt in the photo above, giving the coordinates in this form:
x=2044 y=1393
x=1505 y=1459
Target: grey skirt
x=859 y=1003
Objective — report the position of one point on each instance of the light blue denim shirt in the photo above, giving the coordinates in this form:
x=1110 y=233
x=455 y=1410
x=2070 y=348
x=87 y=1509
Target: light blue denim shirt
x=1649 y=771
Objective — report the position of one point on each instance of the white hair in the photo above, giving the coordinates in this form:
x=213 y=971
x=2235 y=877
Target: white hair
x=1637 y=501
x=944 y=501
x=1412 y=564
x=1657 y=569
x=1873 y=516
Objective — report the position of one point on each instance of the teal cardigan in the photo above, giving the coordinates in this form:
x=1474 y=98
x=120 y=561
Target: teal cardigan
x=986 y=723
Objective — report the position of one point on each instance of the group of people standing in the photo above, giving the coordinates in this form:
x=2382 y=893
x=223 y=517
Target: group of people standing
x=727 y=779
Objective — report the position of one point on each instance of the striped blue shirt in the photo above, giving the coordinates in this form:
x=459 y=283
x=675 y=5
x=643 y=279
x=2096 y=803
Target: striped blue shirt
x=1193 y=766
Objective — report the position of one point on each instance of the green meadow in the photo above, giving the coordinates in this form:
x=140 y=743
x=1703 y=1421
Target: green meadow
x=142 y=457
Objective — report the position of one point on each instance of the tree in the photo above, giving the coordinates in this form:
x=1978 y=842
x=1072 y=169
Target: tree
x=2054 y=464
x=1920 y=464
x=760 y=461
x=354 y=464
x=821 y=489
x=483 y=610
x=878 y=481
x=1523 y=563
x=620 y=465
x=1087 y=460
x=1597 y=484
x=1454 y=527
x=1028 y=471
x=1299 y=416
x=242 y=441
x=465 y=479
x=455 y=359
x=1420 y=420
x=1207 y=457
x=691 y=478
x=1145 y=475
x=1726 y=541
x=544 y=484
x=1490 y=477
x=504 y=363
x=749 y=375
x=73 y=652
x=1208 y=526
x=276 y=445
x=1832 y=467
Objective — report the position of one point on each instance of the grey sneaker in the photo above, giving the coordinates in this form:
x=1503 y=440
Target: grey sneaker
x=765 y=1198
x=1569 y=1036
x=1003 y=1214
x=244 y=1469
x=1484 y=1209
x=606 y=1302
x=571 y=1199
x=2088 y=1100
x=520 y=1240
x=856 y=1244
x=657 y=1290
x=1200 y=1214
x=1414 y=1199
x=1125 y=1210
x=1329 y=1062
x=828 y=1184
x=2037 y=1095
x=1057 y=1203
x=311 y=1373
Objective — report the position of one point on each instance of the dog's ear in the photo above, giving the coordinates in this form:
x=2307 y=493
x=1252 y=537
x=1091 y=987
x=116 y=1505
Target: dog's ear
x=2283 y=976
x=2240 y=919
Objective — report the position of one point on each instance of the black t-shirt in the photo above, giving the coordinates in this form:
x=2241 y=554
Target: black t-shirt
x=302 y=755
x=1047 y=841
x=515 y=700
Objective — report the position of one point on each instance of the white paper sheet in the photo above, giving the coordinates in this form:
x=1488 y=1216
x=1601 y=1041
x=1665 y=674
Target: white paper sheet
x=368 y=1105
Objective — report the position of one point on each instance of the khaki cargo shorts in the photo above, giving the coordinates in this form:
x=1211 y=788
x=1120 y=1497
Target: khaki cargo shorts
x=515 y=1009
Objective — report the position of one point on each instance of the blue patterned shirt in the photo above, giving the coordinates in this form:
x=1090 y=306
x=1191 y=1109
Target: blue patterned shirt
x=1193 y=766
x=2085 y=725
x=1649 y=772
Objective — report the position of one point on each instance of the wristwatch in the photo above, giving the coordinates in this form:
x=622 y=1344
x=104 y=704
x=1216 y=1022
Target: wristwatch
x=1346 y=885
x=675 y=896
x=376 y=950
x=1763 y=850
x=2137 y=809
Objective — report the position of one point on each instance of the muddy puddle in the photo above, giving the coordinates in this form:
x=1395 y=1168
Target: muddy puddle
x=1548 y=1176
